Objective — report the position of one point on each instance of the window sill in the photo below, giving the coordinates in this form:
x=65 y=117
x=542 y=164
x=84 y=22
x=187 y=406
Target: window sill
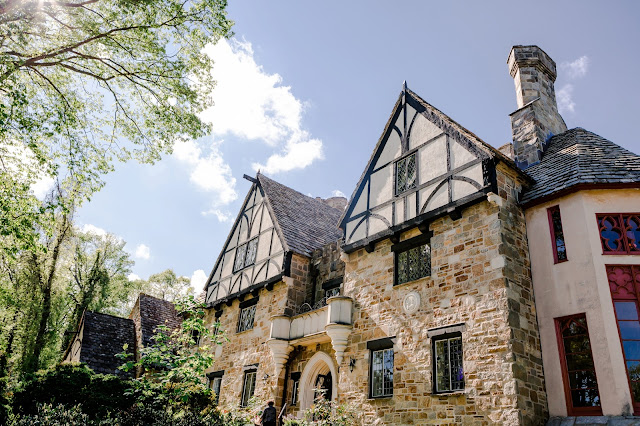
x=376 y=398
x=412 y=282
x=451 y=393
x=244 y=331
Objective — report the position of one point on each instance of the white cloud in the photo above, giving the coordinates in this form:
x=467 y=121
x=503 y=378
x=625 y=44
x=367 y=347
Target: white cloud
x=253 y=104
x=142 y=252
x=209 y=172
x=89 y=228
x=222 y=216
x=337 y=193
x=577 y=68
x=565 y=99
x=42 y=186
x=133 y=277
x=198 y=279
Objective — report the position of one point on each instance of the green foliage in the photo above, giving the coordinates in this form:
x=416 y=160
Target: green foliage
x=174 y=365
x=85 y=84
x=326 y=413
x=70 y=385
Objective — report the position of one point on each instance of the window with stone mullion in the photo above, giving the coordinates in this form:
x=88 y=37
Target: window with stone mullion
x=413 y=264
x=247 y=316
x=382 y=373
x=449 y=375
x=248 y=387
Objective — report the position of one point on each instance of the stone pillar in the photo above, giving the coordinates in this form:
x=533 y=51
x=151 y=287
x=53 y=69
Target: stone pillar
x=537 y=118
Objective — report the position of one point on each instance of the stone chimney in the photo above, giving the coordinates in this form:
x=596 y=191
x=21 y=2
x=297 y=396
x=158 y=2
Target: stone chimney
x=537 y=118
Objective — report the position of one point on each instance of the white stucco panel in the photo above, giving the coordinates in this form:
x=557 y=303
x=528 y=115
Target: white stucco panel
x=432 y=160
x=439 y=199
x=460 y=189
x=390 y=151
x=361 y=204
x=381 y=186
x=459 y=154
x=422 y=131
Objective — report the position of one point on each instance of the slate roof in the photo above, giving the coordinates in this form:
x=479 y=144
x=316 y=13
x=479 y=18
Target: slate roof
x=103 y=337
x=577 y=157
x=306 y=223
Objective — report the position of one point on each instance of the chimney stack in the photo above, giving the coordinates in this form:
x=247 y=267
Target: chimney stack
x=537 y=118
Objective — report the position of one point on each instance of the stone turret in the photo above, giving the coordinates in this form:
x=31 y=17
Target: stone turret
x=537 y=118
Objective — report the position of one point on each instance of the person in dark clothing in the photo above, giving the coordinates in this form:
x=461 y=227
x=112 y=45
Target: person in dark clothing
x=268 y=417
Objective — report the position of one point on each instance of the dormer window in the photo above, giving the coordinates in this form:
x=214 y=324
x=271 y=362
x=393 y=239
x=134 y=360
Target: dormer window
x=406 y=172
x=246 y=255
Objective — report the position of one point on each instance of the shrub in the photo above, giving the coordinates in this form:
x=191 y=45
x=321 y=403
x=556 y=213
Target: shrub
x=70 y=385
x=49 y=415
x=325 y=413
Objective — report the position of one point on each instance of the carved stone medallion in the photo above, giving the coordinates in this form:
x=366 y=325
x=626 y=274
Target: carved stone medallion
x=411 y=302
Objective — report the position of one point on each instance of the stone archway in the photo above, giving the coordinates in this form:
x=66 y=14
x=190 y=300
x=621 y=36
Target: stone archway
x=320 y=365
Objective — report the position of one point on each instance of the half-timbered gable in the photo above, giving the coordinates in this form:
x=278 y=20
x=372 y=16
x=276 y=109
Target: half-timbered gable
x=274 y=222
x=425 y=165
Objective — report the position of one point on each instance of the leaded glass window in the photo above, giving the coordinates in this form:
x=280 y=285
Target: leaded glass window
x=406 y=173
x=413 y=264
x=449 y=374
x=247 y=316
x=215 y=384
x=246 y=255
x=577 y=365
x=557 y=235
x=382 y=373
x=335 y=291
x=248 y=388
x=619 y=233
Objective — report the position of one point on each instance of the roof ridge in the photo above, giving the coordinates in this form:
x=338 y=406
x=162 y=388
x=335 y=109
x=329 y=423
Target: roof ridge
x=260 y=175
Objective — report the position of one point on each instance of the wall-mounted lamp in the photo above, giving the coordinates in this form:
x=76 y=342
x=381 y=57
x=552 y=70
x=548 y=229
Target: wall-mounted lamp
x=352 y=364
x=266 y=377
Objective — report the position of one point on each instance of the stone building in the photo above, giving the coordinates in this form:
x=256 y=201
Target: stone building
x=460 y=284
x=100 y=337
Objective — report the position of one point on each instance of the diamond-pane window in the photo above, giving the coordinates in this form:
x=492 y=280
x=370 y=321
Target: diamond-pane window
x=248 y=387
x=619 y=233
x=246 y=255
x=413 y=264
x=406 y=173
x=449 y=374
x=247 y=316
x=382 y=373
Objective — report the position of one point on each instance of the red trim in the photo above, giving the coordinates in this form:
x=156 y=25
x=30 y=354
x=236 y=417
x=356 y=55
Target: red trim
x=621 y=225
x=554 y=245
x=571 y=410
x=617 y=296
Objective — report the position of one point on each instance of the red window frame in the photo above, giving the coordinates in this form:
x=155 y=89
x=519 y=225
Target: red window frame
x=624 y=283
x=571 y=410
x=554 y=243
x=622 y=226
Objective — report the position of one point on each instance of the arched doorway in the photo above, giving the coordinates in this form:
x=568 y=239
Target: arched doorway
x=319 y=373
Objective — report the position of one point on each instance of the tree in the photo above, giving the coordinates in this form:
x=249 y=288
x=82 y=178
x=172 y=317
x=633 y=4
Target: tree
x=86 y=82
x=168 y=286
x=174 y=365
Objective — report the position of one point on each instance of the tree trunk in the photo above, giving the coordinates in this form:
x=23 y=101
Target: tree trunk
x=6 y=354
x=47 y=284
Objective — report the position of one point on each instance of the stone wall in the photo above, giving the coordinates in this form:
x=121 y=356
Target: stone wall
x=480 y=277
x=325 y=265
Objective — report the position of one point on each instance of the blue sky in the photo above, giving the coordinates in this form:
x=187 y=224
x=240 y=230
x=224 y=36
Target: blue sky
x=305 y=89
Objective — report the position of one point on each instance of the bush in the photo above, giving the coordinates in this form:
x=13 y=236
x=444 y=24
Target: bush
x=325 y=413
x=49 y=415
x=70 y=385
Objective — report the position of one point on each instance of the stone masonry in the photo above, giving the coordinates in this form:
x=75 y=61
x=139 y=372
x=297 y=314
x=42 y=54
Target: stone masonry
x=480 y=277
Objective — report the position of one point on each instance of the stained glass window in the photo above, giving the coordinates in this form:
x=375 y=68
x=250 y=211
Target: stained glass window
x=557 y=235
x=246 y=255
x=577 y=365
x=449 y=374
x=382 y=373
x=247 y=316
x=413 y=264
x=406 y=173
x=619 y=233
x=248 y=388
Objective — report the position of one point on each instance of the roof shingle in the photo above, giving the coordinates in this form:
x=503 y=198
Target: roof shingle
x=306 y=223
x=577 y=157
